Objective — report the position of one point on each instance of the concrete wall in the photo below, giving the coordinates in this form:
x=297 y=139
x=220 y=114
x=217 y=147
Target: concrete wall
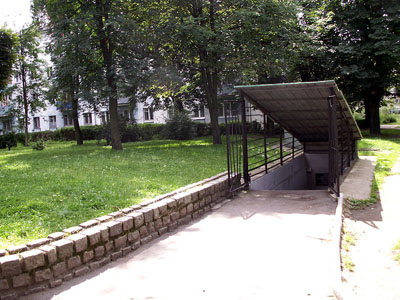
x=48 y=262
x=316 y=163
x=291 y=176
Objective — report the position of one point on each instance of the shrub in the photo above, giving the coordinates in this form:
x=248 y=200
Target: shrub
x=128 y=132
x=8 y=140
x=149 y=131
x=202 y=129
x=179 y=127
x=38 y=145
x=389 y=118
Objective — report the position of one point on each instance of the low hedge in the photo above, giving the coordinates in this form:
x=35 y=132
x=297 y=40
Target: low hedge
x=8 y=140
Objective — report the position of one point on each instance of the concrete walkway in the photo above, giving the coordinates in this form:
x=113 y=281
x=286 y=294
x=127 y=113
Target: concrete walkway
x=261 y=245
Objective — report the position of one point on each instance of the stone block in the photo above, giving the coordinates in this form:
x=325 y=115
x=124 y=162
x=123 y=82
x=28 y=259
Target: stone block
x=80 y=242
x=38 y=243
x=10 y=265
x=189 y=208
x=133 y=236
x=127 y=223
x=174 y=216
x=146 y=240
x=163 y=230
x=127 y=210
x=55 y=283
x=156 y=211
x=195 y=215
x=99 y=251
x=182 y=212
x=171 y=203
x=195 y=194
x=104 y=233
x=43 y=275
x=9 y=296
x=94 y=265
x=50 y=253
x=55 y=236
x=104 y=219
x=116 y=214
x=116 y=255
x=202 y=202
x=143 y=231
x=32 y=259
x=68 y=277
x=3 y=284
x=172 y=226
x=151 y=228
x=162 y=208
x=90 y=223
x=120 y=242
x=166 y=220
x=114 y=227
x=81 y=271
x=35 y=290
x=136 y=246
x=21 y=280
x=74 y=262
x=208 y=200
x=59 y=269
x=93 y=235
x=158 y=224
x=154 y=235
x=126 y=250
x=138 y=218
x=72 y=230
x=64 y=248
x=182 y=199
x=196 y=205
x=3 y=252
x=87 y=256
x=105 y=260
x=17 y=249
x=109 y=246
x=148 y=214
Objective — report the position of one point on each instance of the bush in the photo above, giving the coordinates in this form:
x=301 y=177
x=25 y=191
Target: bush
x=179 y=127
x=38 y=145
x=389 y=118
x=128 y=132
x=8 y=140
x=149 y=131
x=202 y=129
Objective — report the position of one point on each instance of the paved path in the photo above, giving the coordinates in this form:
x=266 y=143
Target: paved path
x=262 y=245
x=376 y=275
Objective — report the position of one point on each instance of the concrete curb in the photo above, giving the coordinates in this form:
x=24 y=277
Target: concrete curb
x=337 y=246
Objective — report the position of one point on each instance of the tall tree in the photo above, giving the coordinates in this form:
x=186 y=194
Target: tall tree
x=112 y=39
x=8 y=42
x=217 y=39
x=365 y=41
x=29 y=76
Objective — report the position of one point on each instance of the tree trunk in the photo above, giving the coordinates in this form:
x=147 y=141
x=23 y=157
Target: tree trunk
x=107 y=49
x=367 y=112
x=75 y=118
x=374 y=122
x=209 y=82
x=25 y=101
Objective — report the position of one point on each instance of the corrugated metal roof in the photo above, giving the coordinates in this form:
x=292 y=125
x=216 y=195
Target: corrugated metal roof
x=301 y=107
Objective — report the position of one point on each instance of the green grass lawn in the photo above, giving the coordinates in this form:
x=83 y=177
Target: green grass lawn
x=46 y=191
x=386 y=148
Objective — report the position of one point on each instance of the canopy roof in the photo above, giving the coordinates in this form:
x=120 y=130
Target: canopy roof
x=301 y=108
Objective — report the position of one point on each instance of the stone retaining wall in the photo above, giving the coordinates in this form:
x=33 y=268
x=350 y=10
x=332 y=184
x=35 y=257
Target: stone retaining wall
x=48 y=262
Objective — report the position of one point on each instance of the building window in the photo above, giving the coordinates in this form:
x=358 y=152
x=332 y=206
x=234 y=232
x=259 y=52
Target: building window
x=52 y=122
x=7 y=125
x=36 y=123
x=198 y=111
x=87 y=118
x=104 y=116
x=68 y=120
x=148 y=114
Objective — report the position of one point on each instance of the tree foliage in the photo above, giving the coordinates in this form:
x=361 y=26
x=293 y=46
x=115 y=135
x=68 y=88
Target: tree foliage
x=8 y=42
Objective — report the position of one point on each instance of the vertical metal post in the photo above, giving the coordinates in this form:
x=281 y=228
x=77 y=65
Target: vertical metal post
x=246 y=176
x=265 y=145
x=281 y=145
x=227 y=124
x=341 y=140
x=333 y=145
x=348 y=145
x=292 y=147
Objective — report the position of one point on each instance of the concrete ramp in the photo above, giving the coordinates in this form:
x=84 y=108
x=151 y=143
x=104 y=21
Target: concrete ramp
x=261 y=245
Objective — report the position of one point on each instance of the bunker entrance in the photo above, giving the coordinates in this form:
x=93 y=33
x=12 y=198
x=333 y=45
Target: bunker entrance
x=295 y=136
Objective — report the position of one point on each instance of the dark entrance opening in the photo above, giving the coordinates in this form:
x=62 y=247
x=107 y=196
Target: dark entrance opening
x=311 y=145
